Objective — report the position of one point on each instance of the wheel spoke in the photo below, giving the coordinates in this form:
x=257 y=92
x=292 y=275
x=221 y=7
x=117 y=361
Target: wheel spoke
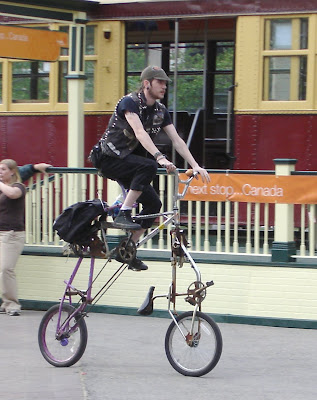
x=200 y=353
x=69 y=348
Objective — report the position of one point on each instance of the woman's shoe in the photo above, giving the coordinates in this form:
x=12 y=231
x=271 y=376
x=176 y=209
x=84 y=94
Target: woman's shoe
x=14 y=313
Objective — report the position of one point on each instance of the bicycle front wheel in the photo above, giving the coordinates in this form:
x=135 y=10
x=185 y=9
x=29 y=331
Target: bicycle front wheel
x=194 y=346
x=66 y=350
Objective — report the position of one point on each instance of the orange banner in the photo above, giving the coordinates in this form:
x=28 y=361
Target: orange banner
x=254 y=189
x=31 y=44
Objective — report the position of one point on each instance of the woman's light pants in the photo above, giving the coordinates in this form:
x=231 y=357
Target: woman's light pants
x=11 y=246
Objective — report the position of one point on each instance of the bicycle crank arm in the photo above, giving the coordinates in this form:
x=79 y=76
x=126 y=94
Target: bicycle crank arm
x=208 y=284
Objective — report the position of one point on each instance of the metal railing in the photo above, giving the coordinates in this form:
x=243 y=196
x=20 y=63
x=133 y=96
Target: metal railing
x=219 y=227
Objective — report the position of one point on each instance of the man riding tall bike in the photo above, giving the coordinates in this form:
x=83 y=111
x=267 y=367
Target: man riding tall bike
x=130 y=156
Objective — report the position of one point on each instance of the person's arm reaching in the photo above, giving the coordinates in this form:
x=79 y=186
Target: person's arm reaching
x=182 y=149
x=41 y=167
x=28 y=170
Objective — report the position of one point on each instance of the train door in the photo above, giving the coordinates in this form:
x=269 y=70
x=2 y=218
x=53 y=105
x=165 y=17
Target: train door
x=198 y=55
x=218 y=127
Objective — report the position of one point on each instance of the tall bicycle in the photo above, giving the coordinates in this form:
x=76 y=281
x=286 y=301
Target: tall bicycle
x=193 y=341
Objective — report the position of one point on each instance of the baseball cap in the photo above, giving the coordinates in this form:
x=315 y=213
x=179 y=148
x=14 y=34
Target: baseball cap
x=153 y=72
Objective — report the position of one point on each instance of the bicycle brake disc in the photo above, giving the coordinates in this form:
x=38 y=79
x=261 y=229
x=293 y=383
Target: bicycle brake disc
x=126 y=251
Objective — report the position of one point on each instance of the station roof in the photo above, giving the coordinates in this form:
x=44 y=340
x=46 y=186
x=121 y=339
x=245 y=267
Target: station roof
x=75 y=5
x=147 y=9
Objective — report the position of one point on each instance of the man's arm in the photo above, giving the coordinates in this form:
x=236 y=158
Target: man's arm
x=182 y=149
x=145 y=140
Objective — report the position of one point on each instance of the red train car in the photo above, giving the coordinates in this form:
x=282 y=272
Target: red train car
x=243 y=73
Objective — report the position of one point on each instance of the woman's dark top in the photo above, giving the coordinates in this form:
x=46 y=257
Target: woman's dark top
x=12 y=211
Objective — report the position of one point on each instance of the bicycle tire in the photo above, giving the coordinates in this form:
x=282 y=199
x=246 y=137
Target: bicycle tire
x=65 y=352
x=202 y=355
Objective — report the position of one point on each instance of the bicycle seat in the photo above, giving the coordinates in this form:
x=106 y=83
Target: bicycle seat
x=147 y=306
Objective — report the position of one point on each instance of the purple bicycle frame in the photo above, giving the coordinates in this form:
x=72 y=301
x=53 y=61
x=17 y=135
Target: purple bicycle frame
x=59 y=328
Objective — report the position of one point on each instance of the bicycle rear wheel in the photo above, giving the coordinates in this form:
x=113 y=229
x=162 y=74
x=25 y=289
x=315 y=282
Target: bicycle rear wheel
x=67 y=350
x=196 y=354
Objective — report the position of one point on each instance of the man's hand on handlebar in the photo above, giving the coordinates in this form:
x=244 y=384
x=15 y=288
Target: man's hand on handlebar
x=170 y=167
x=203 y=173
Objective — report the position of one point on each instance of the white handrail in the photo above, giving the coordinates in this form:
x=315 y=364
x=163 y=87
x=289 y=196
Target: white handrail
x=213 y=227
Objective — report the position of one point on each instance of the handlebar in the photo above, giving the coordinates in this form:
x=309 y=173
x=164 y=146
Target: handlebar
x=191 y=175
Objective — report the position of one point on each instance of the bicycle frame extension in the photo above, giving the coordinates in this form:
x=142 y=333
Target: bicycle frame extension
x=179 y=253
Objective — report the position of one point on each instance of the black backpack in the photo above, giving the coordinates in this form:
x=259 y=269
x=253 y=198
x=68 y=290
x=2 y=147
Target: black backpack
x=76 y=224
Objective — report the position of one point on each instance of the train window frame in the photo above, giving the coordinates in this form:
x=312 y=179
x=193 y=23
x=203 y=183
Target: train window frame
x=300 y=53
x=31 y=74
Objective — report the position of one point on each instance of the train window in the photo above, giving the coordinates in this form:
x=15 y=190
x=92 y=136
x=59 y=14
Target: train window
x=90 y=39
x=224 y=56
x=190 y=57
x=90 y=64
x=64 y=28
x=285 y=59
x=222 y=84
x=223 y=76
x=62 y=82
x=287 y=78
x=190 y=68
x=281 y=34
x=138 y=57
x=30 y=81
x=189 y=93
x=89 y=96
x=286 y=34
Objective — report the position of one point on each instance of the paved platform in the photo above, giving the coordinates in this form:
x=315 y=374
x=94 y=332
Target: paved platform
x=125 y=360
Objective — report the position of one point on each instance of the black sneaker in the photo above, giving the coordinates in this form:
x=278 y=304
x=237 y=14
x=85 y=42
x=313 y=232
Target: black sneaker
x=124 y=221
x=137 y=265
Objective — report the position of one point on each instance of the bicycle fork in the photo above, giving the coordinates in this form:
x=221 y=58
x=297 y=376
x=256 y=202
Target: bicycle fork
x=70 y=290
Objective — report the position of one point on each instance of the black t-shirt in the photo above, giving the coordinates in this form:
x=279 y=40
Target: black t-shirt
x=128 y=104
